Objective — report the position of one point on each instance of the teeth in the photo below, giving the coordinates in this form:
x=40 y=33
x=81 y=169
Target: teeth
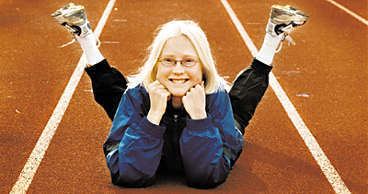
x=179 y=81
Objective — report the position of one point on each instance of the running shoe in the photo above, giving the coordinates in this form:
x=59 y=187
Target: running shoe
x=74 y=18
x=283 y=20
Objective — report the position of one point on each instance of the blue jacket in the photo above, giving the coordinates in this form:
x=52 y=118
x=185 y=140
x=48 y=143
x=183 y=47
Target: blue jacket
x=204 y=150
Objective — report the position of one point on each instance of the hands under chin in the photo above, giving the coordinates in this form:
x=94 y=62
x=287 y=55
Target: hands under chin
x=194 y=102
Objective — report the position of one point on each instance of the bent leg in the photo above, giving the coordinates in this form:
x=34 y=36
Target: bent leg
x=108 y=86
x=251 y=84
x=247 y=91
x=107 y=82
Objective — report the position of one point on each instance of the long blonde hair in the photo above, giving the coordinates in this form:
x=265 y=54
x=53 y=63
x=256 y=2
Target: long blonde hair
x=190 y=29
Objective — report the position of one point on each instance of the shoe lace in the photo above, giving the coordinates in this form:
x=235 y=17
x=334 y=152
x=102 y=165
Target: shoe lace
x=285 y=36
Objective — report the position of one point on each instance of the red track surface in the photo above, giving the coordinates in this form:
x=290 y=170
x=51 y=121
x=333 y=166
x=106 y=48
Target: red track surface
x=329 y=63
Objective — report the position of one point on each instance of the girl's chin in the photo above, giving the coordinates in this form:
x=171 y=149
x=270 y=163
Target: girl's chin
x=178 y=93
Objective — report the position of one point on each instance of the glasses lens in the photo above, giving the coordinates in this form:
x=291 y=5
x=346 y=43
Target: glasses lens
x=188 y=62
x=168 y=61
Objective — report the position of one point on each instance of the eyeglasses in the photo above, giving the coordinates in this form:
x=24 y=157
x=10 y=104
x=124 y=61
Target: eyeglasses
x=171 y=62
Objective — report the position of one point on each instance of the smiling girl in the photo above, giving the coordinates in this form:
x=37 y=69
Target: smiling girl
x=176 y=114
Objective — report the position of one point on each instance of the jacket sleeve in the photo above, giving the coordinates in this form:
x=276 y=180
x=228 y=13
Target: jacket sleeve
x=108 y=86
x=134 y=145
x=210 y=146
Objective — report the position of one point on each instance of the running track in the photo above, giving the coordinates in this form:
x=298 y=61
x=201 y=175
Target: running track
x=324 y=75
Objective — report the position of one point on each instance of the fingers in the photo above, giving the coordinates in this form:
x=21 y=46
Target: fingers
x=196 y=92
x=196 y=88
x=158 y=95
x=155 y=85
x=194 y=102
x=158 y=88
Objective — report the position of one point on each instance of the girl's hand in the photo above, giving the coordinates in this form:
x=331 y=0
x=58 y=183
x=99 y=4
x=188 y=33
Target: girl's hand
x=158 y=99
x=194 y=102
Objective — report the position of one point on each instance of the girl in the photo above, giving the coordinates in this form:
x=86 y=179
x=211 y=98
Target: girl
x=176 y=114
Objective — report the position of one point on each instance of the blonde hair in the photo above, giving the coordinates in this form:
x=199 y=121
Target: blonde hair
x=190 y=29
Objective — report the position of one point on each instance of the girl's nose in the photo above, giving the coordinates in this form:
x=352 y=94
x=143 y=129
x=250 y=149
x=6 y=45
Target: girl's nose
x=178 y=68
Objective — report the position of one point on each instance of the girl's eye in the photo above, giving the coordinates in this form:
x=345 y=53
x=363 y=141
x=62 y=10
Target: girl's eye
x=188 y=60
x=169 y=60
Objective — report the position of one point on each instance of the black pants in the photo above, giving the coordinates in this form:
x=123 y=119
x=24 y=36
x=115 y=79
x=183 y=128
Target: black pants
x=248 y=89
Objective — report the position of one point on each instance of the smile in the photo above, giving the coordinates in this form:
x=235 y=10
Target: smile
x=178 y=81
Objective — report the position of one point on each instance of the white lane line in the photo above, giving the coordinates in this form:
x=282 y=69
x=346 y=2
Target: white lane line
x=356 y=16
x=34 y=160
x=324 y=163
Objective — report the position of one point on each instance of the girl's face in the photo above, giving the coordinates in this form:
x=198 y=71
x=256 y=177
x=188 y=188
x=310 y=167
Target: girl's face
x=179 y=68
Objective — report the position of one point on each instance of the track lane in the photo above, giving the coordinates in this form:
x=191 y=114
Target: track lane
x=30 y=80
x=267 y=164
x=33 y=75
x=324 y=77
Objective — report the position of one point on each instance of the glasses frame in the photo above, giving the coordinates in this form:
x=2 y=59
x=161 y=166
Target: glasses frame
x=175 y=62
